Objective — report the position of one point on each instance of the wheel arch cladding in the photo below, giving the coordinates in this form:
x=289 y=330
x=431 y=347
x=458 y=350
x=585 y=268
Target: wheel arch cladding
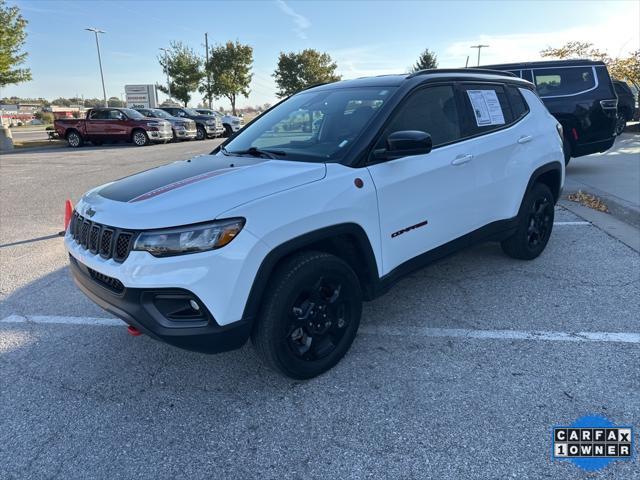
x=549 y=174
x=347 y=241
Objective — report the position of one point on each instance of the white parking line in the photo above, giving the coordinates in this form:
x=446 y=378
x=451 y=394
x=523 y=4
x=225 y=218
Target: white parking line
x=622 y=337
x=571 y=223
x=386 y=330
x=101 y=322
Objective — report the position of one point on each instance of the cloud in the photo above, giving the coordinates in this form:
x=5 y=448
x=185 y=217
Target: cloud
x=301 y=22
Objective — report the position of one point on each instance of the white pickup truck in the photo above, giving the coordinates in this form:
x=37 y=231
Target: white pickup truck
x=231 y=123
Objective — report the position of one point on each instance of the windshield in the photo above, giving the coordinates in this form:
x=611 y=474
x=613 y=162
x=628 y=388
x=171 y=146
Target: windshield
x=131 y=113
x=313 y=126
x=156 y=112
x=191 y=111
x=204 y=111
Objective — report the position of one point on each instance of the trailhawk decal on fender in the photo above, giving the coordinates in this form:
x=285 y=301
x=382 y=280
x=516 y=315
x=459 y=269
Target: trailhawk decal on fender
x=180 y=183
x=408 y=229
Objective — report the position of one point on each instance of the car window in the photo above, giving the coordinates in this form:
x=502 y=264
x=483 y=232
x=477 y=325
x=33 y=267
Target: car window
x=552 y=82
x=99 y=114
x=432 y=110
x=486 y=108
x=314 y=125
x=519 y=106
x=115 y=115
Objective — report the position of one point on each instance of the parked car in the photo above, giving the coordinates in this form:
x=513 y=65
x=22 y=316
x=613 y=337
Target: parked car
x=626 y=105
x=206 y=126
x=281 y=233
x=230 y=123
x=113 y=125
x=183 y=128
x=579 y=93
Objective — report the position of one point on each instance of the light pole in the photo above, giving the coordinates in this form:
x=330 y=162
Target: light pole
x=96 y=32
x=479 y=47
x=166 y=69
x=206 y=66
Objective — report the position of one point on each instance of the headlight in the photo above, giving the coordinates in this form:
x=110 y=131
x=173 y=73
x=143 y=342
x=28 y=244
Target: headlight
x=155 y=124
x=210 y=122
x=189 y=239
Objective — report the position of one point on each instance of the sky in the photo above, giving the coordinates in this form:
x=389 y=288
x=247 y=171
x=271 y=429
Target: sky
x=363 y=37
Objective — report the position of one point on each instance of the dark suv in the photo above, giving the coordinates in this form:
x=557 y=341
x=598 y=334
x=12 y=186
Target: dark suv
x=579 y=93
x=626 y=105
x=206 y=125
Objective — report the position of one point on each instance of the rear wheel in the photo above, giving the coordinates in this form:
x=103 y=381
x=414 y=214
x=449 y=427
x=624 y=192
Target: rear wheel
x=310 y=315
x=535 y=222
x=621 y=122
x=74 y=139
x=140 y=138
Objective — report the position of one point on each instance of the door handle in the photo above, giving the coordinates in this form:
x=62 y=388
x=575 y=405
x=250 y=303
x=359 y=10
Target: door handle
x=525 y=139
x=462 y=159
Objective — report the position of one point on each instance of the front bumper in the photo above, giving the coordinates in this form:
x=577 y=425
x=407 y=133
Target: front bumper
x=160 y=135
x=214 y=130
x=140 y=308
x=183 y=134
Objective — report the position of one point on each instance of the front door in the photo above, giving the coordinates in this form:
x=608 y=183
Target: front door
x=425 y=201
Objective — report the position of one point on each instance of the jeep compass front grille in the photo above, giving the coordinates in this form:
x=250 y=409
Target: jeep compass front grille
x=108 y=242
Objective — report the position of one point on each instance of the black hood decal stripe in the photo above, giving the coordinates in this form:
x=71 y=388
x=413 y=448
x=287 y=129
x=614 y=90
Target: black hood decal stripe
x=180 y=183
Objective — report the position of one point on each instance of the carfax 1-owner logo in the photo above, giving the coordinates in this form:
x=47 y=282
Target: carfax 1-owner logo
x=592 y=442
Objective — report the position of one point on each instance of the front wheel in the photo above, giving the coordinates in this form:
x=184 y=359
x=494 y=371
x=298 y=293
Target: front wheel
x=535 y=222
x=310 y=315
x=201 y=134
x=140 y=138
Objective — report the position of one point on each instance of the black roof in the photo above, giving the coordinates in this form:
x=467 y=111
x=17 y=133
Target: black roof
x=546 y=63
x=424 y=76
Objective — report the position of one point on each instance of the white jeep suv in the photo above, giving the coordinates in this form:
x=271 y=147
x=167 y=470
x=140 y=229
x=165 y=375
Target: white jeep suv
x=322 y=202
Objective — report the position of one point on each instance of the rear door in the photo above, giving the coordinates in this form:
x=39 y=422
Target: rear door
x=499 y=145
x=96 y=125
x=426 y=200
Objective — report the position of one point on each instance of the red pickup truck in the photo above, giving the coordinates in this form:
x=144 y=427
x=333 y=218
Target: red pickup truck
x=113 y=125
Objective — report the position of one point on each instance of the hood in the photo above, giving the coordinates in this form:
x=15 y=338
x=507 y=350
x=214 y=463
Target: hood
x=193 y=191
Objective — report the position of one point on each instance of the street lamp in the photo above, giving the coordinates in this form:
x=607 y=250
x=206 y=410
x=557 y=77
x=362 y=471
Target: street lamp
x=96 y=32
x=479 y=47
x=166 y=70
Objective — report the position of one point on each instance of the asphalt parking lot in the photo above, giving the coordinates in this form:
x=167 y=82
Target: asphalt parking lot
x=459 y=372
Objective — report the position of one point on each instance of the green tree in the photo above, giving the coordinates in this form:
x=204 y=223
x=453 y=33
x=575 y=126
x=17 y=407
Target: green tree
x=427 y=59
x=12 y=39
x=115 y=102
x=184 y=68
x=627 y=68
x=297 y=71
x=230 y=70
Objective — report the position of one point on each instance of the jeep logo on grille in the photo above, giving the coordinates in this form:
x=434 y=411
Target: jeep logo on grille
x=89 y=212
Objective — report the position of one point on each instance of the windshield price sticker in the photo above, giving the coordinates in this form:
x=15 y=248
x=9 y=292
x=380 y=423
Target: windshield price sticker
x=486 y=107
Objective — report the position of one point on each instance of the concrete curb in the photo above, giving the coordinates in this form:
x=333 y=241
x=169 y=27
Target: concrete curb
x=614 y=227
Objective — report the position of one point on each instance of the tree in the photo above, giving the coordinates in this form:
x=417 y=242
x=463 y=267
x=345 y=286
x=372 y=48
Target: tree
x=427 y=59
x=12 y=38
x=626 y=68
x=115 y=102
x=230 y=70
x=184 y=69
x=297 y=71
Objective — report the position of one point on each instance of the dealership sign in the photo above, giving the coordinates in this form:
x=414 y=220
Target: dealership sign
x=141 y=96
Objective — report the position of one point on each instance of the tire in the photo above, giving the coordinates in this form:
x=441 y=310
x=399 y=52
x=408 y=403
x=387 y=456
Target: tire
x=228 y=131
x=140 y=138
x=74 y=139
x=535 y=223
x=201 y=133
x=308 y=289
x=621 y=123
x=566 y=149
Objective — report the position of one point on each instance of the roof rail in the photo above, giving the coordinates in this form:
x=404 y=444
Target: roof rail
x=461 y=70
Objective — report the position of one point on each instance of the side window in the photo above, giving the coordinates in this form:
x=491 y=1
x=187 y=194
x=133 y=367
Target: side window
x=515 y=72
x=116 y=115
x=487 y=108
x=518 y=104
x=553 y=82
x=527 y=75
x=98 y=114
x=432 y=110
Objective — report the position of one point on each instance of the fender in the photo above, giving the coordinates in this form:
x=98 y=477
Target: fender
x=544 y=169
x=361 y=254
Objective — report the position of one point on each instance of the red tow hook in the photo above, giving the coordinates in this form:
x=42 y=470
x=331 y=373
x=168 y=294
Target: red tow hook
x=133 y=331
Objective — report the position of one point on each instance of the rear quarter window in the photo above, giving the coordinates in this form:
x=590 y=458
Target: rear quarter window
x=519 y=106
x=555 y=82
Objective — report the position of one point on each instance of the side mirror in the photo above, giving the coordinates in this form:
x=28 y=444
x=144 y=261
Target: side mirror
x=408 y=142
